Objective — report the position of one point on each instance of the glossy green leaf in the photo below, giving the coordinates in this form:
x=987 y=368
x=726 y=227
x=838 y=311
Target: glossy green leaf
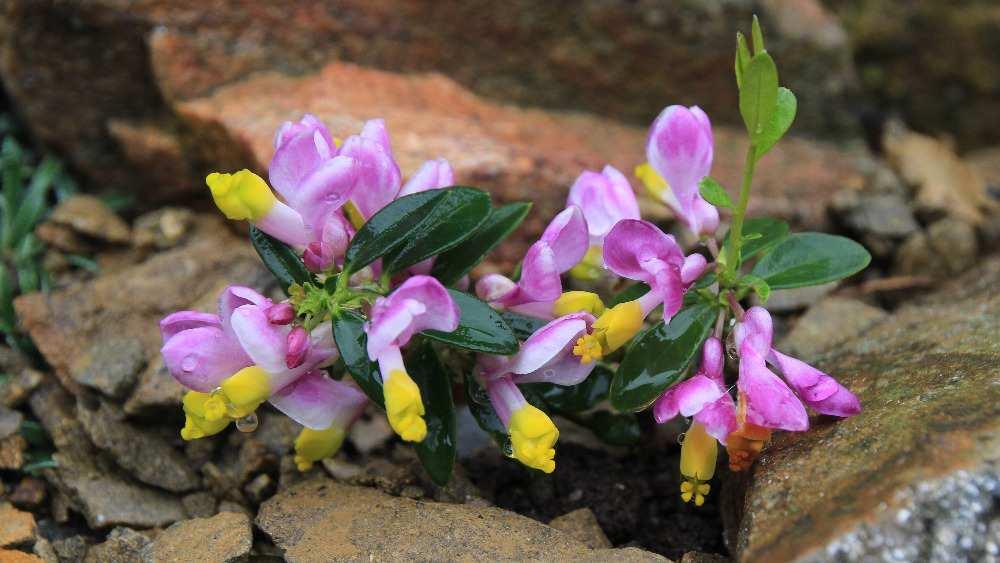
x=714 y=193
x=576 y=398
x=484 y=414
x=349 y=333
x=437 y=450
x=781 y=121
x=760 y=234
x=452 y=265
x=388 y=228
x=759 y=95
x=758 y=285
x=280 y=259
x=805 y=259
x=480 y=328
x=630 y=293
x=521 y=325
x=452 y=219
x=660 y=356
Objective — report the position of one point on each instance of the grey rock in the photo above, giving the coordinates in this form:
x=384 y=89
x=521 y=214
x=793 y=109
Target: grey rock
x=163 y=228
x=89 y=216
x=827 y=324
x=954 y=241
x=141 y=452
x=16 y=389
x=884 y=215
x=110 y=365
x=199 y=505
x=582 y=525
x=73 y=548
x=784 y=300
x=123 y=545
x=155 y=390
x=10 y=421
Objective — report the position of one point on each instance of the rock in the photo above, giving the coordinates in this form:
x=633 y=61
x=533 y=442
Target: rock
x=321 y=520
x=29 y=493
x=914 y=476
x=73 y=548
x=12 y=452
x=945 y=184
x=44 y=550
x=12 y=556
x=199 y=505
x=518 y=154
x=16 y=389
x=89 y=216
x=225 y=537
x=107 y=500
x=16 y=527
x=259 y=488
x=698 y=557
x=123 y=545
x=783 y=300
x=155 y=390
x=948 y=248
x=903 y=68
x=102 y=323
x=886 y=215
x=116 y=70
x=828 y=324
x=370 y=432
x=145 y=454
x=111 y=366
x=64 y=238
x=582 y=525
x=162 y=229
x=10 y=421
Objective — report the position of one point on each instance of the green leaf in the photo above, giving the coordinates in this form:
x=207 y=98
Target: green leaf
x=452 y=265
x=576 y=398
x=714 y=193
x=522 y=326
x=33 y=204
x=758 y=36
x=349 y=333
x=612 y=428
x=484 y=414
x=742 y=58
x=401 y=227
x=760 y=234
x=784 y=115
x=283 y=262
x=660 y=356
x=453 y=218
x=759 y=95
x=437 y=450
x=480 y=329
x=811 y=259
x=758 y=285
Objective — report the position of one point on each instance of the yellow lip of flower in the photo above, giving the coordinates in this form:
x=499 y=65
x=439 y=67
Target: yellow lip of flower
x=242 y=195
x=576 y=302
x=699 y=453
x=315 y=445
x=590 y=267
x=404 y=407
x=238 y=395
x=533 y=437
x=611 y=331
x=655 y=184
x=196 y=425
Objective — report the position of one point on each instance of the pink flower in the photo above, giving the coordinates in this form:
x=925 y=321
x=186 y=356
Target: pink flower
x=605 y=198
x=379 y=178
x=680 y=149
x=432 y=175
x=561 y=246
x=420 y=303
x=702 y=396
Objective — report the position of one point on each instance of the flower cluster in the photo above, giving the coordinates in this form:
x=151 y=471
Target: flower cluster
x=375 y=270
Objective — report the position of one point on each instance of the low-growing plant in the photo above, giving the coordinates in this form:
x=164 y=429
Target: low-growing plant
x=376 y=274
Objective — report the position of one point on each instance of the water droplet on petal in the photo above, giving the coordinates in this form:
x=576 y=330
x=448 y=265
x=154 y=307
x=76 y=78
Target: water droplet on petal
x=189 y=363
x=550 y=372
x=248 y=423
x=680 y=438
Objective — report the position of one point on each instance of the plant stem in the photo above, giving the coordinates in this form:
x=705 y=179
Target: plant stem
x=736 y=230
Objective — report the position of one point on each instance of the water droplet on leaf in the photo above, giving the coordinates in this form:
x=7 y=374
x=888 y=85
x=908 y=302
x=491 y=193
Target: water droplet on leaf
x=248 y=423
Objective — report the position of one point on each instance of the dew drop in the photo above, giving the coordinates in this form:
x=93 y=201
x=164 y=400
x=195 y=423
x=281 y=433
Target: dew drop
x=550 y=372
x=248 y=423
x=680 y=438
x=189 y=363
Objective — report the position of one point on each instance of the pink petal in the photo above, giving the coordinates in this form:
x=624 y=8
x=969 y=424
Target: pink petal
x=432 y=175
x=200 y=358
x=605 y=199
x=756 y=329
x=550 y=344
x=568 y=238
x=494 y=287
x=770 y=403
x=701 y=217
x=713 y=360
x=680 y=149
x=420 y=303
x=694 y=266
x=234 y=297
x=326 y=189
x=184 y=320
x=264 y=342
x=686 y=398
x=817 y=389
x=632 y=246
x=300 y=148
x=505 y=397
x=719 y=418
x=285 y=224
x=540 y=279
x=318 y=402
x=378 y=174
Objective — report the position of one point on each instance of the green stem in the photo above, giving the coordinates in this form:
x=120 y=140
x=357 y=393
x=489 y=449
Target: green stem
x=736 y=230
